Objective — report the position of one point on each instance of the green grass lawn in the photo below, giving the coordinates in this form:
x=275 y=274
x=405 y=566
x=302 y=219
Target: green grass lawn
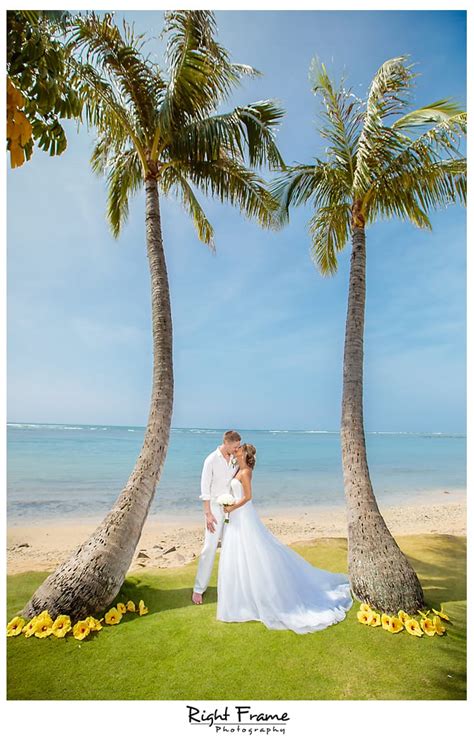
x=180 y=652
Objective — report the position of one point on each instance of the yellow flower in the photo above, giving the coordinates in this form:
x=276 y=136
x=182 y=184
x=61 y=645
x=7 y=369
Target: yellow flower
x=61 y=625
x=386 y=620
x=424 y=614
x=374 y=620
x=142 y=609
x=438 y=625
x=81 y=629
x=43 y=614
x=413 y=628
x=364 y=617
x=15 y=626
x=43 y=626
x=113 y=616
x=403 y=616
x=396 y=625
x=121 y=608
x=365 y=608
x=94 y=624
x=131 y=606
x=29 y=629
x=428 y=627
x=442 y=614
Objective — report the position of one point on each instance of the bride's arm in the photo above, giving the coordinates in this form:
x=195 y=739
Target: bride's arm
x=246 y=481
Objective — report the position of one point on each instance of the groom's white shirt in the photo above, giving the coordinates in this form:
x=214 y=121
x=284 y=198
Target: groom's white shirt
x=216 y=475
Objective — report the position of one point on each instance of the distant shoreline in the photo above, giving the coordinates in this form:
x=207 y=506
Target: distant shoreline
x=42 y=546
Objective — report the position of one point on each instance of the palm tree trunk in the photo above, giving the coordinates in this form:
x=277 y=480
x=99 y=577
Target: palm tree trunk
x=90 y=579
x=379 y=572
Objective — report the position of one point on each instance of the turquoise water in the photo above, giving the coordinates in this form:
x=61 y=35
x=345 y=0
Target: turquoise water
x=76 y=471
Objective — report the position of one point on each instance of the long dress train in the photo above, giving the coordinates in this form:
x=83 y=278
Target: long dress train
x=262 y=579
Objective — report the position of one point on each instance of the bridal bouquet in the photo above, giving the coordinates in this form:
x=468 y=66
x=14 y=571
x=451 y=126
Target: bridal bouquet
x=226 y=499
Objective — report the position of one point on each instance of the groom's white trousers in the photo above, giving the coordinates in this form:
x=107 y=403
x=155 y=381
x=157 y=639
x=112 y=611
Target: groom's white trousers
x=208 y=552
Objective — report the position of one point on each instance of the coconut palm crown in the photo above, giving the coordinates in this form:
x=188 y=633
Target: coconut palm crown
x=164 y=125
x=382 y=160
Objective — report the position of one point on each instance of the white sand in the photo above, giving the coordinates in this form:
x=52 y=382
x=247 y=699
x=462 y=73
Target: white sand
x=45 y=545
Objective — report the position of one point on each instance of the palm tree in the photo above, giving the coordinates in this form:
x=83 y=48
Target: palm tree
x=379 y=164
x=161 y=131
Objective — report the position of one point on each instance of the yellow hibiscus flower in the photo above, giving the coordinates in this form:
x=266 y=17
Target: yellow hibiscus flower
x=43 y=626
x=42 y=615
x=113 y=616
x=413 y=628
x=365 y=608
x=396 y=625
x=424 y=614
x=374 y=620
x=385 y=621
x=94 y=624
x=142 y=609
x=428 y=627
x=364 y=617
x=403 y=616
x=29 y=629
x=61 y=625
x=15 y=626
x=438 y=625
x=81 y=629
x=131 y=606
x=442 y=614
x=121 y=608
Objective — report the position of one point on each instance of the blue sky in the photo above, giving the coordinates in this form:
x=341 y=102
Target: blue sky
x=258 y=332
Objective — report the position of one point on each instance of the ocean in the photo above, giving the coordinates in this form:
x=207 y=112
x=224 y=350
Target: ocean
x=76 y=471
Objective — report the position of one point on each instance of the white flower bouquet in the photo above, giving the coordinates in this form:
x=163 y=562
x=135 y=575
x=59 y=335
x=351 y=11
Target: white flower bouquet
x=226 y=499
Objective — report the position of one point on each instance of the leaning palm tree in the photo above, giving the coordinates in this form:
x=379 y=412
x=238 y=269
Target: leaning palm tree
x=161 y=131
x=382 y=161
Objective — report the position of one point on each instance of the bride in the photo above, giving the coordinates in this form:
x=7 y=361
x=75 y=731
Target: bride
x=262 y=579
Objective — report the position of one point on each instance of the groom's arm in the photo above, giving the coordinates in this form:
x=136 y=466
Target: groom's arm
x=206 y=480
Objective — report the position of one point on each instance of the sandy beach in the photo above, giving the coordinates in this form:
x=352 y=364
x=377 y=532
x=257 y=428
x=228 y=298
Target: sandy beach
x=168 y=543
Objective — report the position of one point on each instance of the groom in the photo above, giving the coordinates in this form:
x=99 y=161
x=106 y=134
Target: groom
x=217 y=472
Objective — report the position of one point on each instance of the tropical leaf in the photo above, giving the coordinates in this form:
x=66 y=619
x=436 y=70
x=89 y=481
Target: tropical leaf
x=438 y=112
x=329 y=229
x=388 y=94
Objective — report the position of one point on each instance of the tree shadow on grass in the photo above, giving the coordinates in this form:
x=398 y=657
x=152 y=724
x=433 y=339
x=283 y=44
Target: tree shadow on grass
x=162 y=600
x=442 y=571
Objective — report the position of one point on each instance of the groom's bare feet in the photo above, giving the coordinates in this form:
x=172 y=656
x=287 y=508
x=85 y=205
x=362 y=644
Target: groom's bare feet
x=197 y=598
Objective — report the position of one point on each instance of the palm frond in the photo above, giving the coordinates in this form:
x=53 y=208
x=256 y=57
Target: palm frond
x=201 y=74
x=124 y=177
x=438 y=112
x=172 y=179
x=245 y=132
x=324 y=183
x=420 y=164
x=388 y=95
x=341 y=118
x=329 y=229
x=138 y=83
x=231 y=182
x=102 y=108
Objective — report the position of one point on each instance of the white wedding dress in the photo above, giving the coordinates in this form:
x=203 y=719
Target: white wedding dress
x=262 y=579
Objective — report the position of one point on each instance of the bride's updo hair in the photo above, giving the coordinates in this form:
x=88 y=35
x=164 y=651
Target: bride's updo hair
x=250 y=454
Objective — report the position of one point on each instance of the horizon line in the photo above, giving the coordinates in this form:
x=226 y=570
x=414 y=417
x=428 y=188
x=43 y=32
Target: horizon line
x=219 y=429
